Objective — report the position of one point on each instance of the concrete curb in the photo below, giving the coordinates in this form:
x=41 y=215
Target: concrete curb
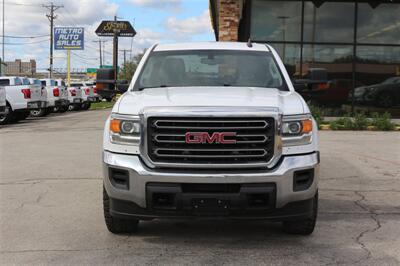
x=369 y=128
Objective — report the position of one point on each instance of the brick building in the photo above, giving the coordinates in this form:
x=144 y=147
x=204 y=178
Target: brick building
x=355 y=41
x=20 y=68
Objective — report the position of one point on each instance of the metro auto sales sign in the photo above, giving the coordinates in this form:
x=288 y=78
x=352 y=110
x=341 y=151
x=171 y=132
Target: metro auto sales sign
x=69 y=38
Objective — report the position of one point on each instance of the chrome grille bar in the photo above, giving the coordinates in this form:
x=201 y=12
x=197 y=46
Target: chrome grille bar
x=254 y=141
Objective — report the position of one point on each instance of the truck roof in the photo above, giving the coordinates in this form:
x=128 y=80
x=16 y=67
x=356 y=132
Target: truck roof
x=212 y=46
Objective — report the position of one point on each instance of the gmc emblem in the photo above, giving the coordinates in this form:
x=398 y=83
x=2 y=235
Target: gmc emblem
x=204 y=137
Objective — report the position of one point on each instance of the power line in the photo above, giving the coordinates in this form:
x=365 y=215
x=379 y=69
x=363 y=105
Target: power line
x=25 y=43
x=84 y=57
x=25 y=37
x=19 y=4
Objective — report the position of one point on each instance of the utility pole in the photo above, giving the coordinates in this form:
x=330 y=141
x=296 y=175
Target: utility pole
x=52 y=8
x=101 y=59
x=2 y=57
x=125 y=50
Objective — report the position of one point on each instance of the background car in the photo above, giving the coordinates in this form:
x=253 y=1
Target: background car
x=385 y=94
x=336 y=92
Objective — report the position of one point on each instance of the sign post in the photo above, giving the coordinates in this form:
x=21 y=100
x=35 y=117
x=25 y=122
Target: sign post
x=69 y=38
x=115 y=29
x=69 y=67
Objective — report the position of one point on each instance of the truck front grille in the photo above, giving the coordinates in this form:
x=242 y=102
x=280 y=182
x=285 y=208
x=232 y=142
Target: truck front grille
x=247 y=141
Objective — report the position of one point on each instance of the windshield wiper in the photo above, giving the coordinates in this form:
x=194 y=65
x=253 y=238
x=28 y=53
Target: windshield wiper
x=153 y=87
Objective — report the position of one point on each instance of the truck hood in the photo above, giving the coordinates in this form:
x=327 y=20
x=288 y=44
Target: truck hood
x=134 y=102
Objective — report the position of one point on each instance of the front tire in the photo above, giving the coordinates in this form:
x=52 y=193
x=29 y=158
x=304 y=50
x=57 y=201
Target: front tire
x=63 y=108
x=303 y=227
x=117 y=225
x=8 y=117
x=74 y=107
x=85 y=106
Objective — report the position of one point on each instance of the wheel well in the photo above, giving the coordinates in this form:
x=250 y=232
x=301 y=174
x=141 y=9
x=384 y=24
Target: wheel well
x=9 y=105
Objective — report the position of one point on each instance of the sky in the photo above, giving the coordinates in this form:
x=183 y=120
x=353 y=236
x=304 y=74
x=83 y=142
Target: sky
x=155 y=21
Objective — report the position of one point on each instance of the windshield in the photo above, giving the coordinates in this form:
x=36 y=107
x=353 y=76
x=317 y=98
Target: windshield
x=210 y=68
x=18 y=81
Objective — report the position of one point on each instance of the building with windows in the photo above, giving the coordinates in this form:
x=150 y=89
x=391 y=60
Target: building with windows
x=356 y=42
x=20 y=68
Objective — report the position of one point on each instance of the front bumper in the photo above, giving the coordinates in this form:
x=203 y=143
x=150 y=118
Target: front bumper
x=283 y=200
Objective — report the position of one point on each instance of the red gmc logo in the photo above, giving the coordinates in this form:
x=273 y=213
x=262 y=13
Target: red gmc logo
x=204 y=137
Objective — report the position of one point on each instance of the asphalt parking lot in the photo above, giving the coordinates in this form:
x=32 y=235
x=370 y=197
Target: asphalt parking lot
x=51 y=208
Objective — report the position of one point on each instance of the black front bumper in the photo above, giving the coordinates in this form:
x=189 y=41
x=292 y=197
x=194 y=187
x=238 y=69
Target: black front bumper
x=237 y=201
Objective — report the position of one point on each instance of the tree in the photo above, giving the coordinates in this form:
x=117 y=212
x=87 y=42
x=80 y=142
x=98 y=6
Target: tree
x=129 y=68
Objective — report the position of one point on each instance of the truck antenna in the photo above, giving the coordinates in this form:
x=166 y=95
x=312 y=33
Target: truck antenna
x=249 y=44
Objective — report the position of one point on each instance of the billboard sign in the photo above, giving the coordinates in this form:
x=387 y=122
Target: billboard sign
x=69 y=38
x=111 y=27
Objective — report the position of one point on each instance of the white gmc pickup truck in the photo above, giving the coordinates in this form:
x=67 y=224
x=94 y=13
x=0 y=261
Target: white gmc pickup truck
x=211 y=130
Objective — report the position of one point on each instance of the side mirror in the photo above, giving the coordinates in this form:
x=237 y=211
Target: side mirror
x=122 y=88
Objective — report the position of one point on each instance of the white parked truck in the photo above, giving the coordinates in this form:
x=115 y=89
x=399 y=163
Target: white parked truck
x=21 y=97
x=87 y=94
x=211 y=130
x=93 y=95
x=42 y=111
x=64 y=95
x=57 y=96
x=74 y=98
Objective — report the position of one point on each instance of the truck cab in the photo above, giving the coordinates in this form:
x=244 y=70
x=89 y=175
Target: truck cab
x=211 y=130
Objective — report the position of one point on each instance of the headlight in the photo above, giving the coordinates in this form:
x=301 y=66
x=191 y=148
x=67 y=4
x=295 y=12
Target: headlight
x=297 y=130
x=124 y=129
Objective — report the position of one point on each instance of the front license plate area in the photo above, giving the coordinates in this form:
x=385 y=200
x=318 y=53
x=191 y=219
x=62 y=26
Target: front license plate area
x=210 y=205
